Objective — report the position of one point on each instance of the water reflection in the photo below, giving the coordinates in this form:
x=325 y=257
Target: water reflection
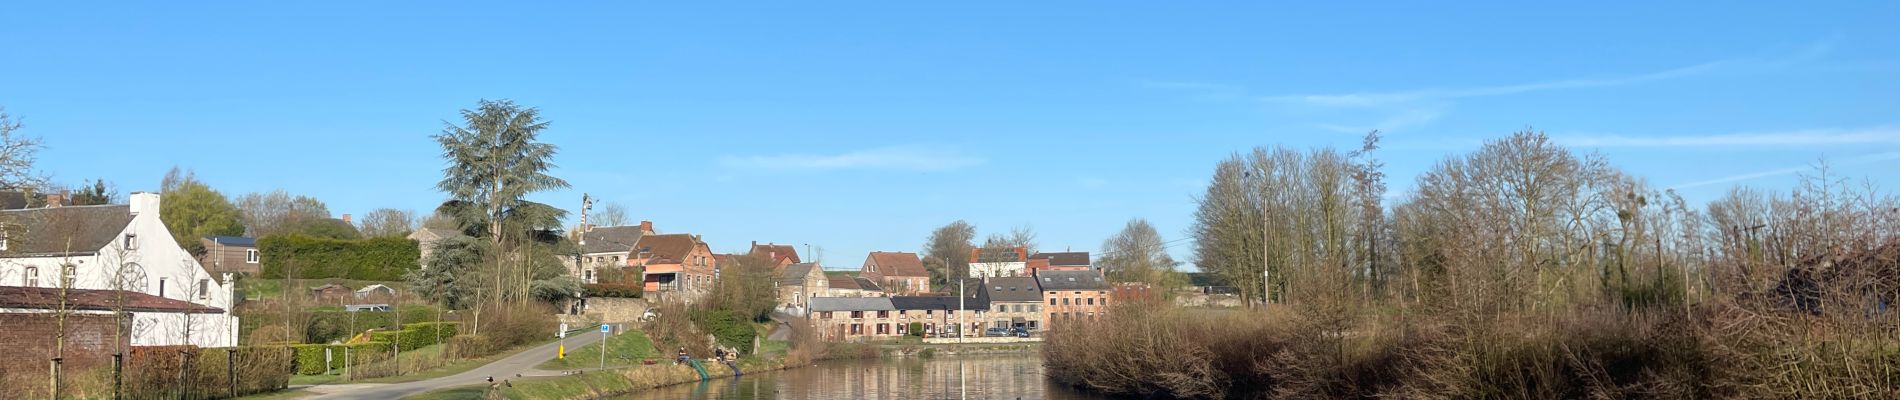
x=988 y=377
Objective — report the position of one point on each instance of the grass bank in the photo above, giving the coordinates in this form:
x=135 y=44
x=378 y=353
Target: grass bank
x=603 y=383
x=1708 y=352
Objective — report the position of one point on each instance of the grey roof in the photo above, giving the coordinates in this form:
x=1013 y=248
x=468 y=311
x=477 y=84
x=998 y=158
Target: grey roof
x=867 y=284
x=434 y=234
x=610 y=239
x=48 y=231
x=936 y=303
x=795 y=274
x=239 y=241
x=1071 y=280
x=851 y=304
x=1013 y=289
x=1064 y=259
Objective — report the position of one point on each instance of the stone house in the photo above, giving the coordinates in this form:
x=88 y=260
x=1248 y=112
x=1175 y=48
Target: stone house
x=897 y=272
x=232 y=254
x=850 y=319
x=119 y=247
x=798 y=283
x=1072 y=296
x=940 y=316
x=604 y=247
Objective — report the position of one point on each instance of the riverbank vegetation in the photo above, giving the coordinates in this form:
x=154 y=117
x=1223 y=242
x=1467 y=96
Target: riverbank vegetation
x=1521 y=270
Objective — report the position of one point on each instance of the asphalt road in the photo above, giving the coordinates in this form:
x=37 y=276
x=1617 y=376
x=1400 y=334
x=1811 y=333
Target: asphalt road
x=522 y=363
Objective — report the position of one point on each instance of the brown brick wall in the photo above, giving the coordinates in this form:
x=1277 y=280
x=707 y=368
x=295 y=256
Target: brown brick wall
x=30 y=340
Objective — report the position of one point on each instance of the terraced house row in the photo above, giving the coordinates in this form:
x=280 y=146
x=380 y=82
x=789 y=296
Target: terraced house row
x=1010 y=293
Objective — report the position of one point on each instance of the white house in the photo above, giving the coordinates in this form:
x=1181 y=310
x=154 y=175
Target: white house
x=119 y=247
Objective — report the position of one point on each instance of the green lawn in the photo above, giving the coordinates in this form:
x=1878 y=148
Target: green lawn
x=625 y=349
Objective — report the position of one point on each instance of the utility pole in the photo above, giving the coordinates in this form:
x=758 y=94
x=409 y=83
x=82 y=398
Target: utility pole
x=960 y=300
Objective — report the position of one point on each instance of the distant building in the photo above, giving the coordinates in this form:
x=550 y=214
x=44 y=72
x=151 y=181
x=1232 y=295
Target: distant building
x=798 y=283
x=898 y=272
x=376 y=293
x=675 y=263
x=604 y=247
x=840 y=319
x=780 y=254
x=992 y=263
x=426 y=238
x=1064 y=261
x=332 y=292
x=1073 y=296
x=852 y=286
x=1015 y=302
x=230 y=254
x=940 y=316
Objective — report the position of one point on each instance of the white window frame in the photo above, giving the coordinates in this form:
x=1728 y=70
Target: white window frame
x=161 y=286
x=204 y=289
x=32 y=277
x=131 y=241
x=69 y=275
x=250 y=256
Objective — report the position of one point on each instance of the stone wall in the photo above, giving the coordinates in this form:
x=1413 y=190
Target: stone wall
x=611 y=309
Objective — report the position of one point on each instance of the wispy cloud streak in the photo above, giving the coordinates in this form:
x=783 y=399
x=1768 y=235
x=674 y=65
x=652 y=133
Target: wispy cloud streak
x=1871 y=158
x=1808 y=137
x=894 y=158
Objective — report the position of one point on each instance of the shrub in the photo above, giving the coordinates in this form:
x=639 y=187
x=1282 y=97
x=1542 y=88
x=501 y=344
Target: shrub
x=619 y=290
x=728 y=327
x=917 y=329
x=377 y=259
x=153 y=372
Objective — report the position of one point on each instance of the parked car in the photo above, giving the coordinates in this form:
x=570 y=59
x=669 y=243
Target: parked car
x=996 y=332
x=368 y=307
x=1019 y=332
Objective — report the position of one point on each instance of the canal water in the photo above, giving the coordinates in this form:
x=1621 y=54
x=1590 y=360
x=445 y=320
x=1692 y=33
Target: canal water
x=963 y=377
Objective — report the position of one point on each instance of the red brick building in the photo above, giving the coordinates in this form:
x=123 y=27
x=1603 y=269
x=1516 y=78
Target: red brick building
x=32 y=320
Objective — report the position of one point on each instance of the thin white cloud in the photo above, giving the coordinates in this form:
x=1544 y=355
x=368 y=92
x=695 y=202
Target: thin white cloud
x=896 y=158
x=1400 y=120
x=1807 y=137
x=1871 y=158
x=1378 y=99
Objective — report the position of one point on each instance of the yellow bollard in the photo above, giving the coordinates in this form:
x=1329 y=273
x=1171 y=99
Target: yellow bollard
x=561 y=352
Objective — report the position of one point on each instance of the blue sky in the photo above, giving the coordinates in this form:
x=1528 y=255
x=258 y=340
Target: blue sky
x=861 y=126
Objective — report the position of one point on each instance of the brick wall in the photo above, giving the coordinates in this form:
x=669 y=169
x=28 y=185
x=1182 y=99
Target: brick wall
x=30 y=342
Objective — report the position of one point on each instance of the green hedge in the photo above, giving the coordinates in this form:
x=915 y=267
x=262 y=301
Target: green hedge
x=416 y=336
x=310 y=356
x=623 y=290
x=376 y=259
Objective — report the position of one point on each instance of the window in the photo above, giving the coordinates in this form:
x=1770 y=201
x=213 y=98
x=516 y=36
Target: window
x=1032 y=324
x=1019 y=308
x=588 y=275
x=1065 y=301
x=883 y=314
x=1104 y=302
x=161 y=287
x=824 y=315
x=1091 y=301
x=999 y=307
x=930 y=313
x=3 y=240
x=1052 y=301
x=857 y=314
x=67 y=274
x=250 y=256
x=32 y=276
x=1035 y=308
x=616 y=259
x=204 y=289
x=131 y=241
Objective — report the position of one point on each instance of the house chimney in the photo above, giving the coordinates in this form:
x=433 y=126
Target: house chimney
x=346 y=220
x=646 y=227
x=144 y=203
x=54 y=200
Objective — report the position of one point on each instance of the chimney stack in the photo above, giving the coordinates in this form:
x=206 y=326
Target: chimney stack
x=54 y=200
x=646 y=227
x=346 y=220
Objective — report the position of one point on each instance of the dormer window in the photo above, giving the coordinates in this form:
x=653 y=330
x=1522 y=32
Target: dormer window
x=131 y=241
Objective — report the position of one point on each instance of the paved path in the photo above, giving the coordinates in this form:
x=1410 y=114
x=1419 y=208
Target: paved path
x=522 y=363
x=782 y=331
